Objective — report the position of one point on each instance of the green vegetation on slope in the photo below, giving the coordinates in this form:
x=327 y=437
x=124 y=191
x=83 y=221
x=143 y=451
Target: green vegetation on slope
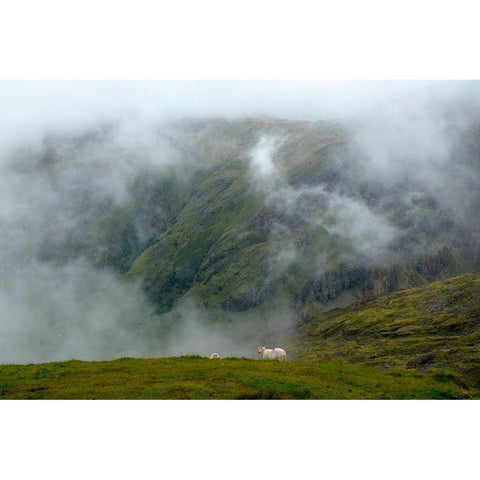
x=231 y=378
x=195 y=222
x=430 y=328
x=221 y=247
x=234 y=246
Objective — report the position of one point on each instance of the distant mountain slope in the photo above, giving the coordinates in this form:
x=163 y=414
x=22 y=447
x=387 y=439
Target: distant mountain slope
x=220 y=247
x=305 y=224
x=246 y=212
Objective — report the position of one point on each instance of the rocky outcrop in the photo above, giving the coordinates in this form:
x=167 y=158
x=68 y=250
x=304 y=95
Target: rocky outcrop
x=433 y=264
x=369 y=281
x=249 y=298
x=420 y=360
x=335 y=281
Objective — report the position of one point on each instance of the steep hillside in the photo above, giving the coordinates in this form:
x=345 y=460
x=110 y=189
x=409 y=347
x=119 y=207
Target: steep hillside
x=429 y=328
x=311 y=228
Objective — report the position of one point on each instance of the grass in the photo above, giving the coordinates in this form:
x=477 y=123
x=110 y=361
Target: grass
x=232 y=378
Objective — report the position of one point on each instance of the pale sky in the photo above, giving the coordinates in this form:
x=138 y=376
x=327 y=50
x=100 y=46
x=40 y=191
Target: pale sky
x=32 y=108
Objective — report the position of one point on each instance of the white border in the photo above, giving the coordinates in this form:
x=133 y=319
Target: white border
x=251 y=39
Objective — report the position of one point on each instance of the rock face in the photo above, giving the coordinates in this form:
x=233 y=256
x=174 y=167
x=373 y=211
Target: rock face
x=368 y=281
x=249 y=298
x=334 y=282
x=420 y=360
x=433 y=264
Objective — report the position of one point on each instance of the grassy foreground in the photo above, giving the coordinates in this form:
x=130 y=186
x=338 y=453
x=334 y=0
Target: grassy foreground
x=232 y=378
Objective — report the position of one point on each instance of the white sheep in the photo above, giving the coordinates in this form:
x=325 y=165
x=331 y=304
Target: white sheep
x=273 y=353
x=214 y=355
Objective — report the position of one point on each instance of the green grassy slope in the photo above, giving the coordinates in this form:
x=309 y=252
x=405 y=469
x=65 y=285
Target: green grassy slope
x=231 y=378
x=429 y=328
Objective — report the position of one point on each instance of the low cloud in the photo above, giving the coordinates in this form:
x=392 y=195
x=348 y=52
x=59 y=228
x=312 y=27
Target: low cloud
x=264 y=171
x=69 y=311
x=369 y=234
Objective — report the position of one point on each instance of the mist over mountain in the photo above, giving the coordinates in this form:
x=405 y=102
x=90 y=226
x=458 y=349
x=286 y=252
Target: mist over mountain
x=163 y=218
